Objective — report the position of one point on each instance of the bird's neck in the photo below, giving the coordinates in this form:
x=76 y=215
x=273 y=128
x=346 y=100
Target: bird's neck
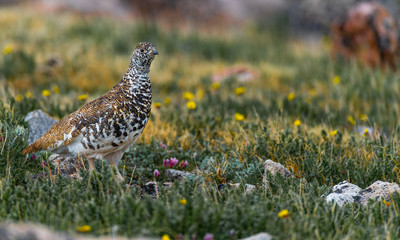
x=135 y=87
x=139 y=68
x=136 y=77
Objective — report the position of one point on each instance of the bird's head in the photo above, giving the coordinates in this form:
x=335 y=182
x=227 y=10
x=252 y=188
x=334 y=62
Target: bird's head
x=143 y=55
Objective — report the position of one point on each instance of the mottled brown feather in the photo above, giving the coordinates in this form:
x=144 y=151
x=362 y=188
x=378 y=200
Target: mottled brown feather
x=111 y=123
x=88 y=114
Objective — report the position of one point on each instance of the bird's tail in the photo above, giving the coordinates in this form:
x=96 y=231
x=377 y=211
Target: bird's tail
x=29 y=149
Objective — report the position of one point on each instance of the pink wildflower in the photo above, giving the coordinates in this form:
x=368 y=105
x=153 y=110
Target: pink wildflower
x=173 y=162
x=183 y=164
x=208 y=236
x=33 y=157
x=162 y=145
x=166 y=162
x=232 y=233
x=156 y=173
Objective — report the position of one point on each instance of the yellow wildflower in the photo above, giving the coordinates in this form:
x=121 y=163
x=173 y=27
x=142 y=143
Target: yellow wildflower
x=157 y=105
x=297 y=123
x=364 y=117
x=19 y=98
x=28 y=94
x=7 y=49
x=191 y=105
x=167 y=101
x=283 y=214
x=46 y=93
x=336 y=80
x=291 y=96
x=84 y=229
x=183 y=202
x=188 y=96
x=215 y=86
x=386 y=203
x=239 y=117
x=366 y=132
x=83 y=97
x=165 y=237
x=55 y=89
x=351 y=120
x=333 y=133
x=240 y=90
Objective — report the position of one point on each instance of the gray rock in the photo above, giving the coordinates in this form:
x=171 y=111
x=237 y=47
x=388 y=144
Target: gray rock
x=273 y=168
x=260 y=236
x=248 y=187
x=68 y=164
x=378 y=190
x=39 y=123
x=12 y=231
x=153 y=188
x=29 y=231
x=343 y=193
x=173 y=174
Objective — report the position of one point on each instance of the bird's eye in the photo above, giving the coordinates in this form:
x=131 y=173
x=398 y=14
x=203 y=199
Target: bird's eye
x=141 y=50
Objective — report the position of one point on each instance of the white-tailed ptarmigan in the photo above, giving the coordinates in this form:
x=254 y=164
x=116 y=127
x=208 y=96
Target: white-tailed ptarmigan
x=106 y=127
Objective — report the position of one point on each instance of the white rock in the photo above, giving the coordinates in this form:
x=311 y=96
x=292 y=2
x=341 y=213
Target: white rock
x=177 y=174
x=378 y=190
x=260 y=236
x=343 y=193
x=346 y=187
x=26 y=231
x=248 y=187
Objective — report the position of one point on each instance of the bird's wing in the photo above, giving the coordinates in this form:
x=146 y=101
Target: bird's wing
x=63 y=132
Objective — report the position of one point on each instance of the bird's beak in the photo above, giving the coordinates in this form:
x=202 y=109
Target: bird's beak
x=155 y=52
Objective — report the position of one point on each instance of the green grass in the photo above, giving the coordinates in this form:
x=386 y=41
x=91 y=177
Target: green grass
x=95 y=53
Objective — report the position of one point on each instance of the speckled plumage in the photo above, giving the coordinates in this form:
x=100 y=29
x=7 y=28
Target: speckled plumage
x=106 y=127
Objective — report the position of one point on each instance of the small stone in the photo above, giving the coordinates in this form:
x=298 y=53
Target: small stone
x=273 y=168
x=67 y=163
x=343 y=193
x=346 y=192
x=248 y=187
x=151 y=188
x=346 y=187
x=39 y=123
x=167 y=185
x=26 y=231
x=173 y=174
x=378 y=190
x=29 y=231
x=259 y=236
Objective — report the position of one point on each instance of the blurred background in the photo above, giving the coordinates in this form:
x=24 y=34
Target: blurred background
x=300 y=16
x=73 y=51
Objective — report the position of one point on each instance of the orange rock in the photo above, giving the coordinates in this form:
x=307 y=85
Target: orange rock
x=368 y=33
